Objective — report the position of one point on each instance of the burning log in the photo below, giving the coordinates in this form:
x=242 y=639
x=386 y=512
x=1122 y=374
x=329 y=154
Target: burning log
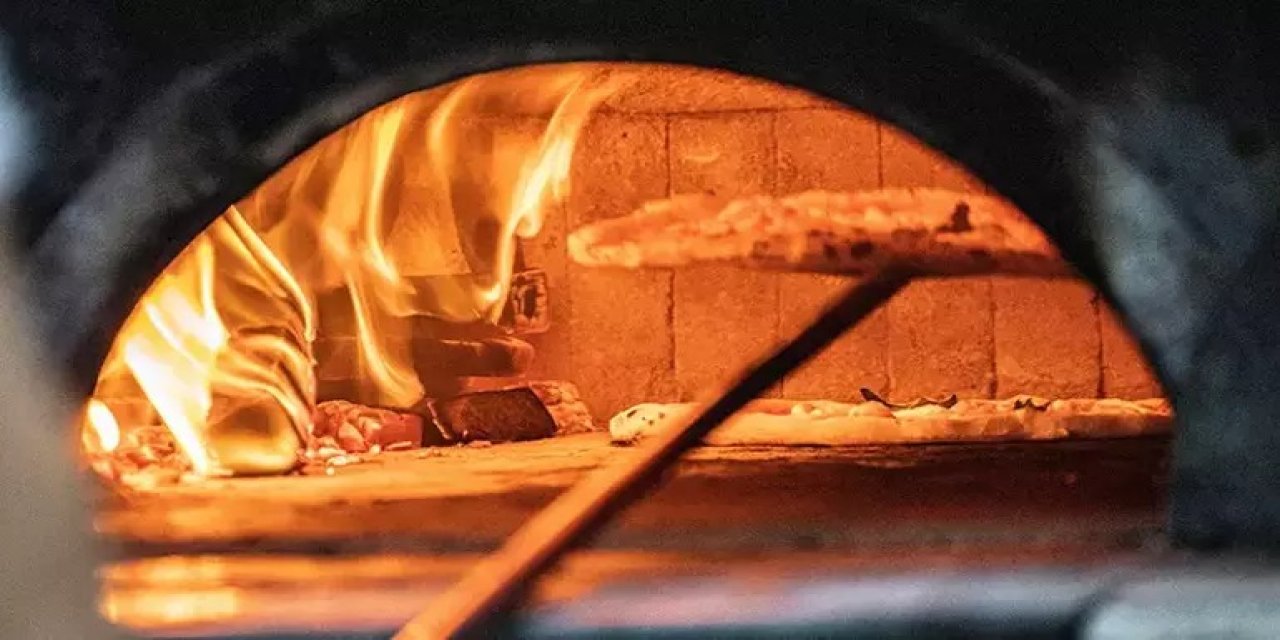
x=925 y=231
x=492 y=357
x=507 y=415
x=344 y=432
x=527 y=412
x=565 y=405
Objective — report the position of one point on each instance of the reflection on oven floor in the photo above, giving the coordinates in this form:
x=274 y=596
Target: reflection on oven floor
x=366 y=547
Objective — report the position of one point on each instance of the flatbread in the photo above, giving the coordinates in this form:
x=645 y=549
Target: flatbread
x=931 y=231
x=823 y=423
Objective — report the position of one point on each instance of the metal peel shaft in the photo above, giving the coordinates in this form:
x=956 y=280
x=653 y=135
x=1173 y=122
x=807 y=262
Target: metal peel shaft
x=501 y=579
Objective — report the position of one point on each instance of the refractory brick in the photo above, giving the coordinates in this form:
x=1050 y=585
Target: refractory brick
x=857 y=359
x=1046 y=338
x=1125 y=370
x=940 y=339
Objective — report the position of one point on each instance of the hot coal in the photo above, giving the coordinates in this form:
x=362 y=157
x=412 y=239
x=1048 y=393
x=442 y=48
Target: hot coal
x=356 y=428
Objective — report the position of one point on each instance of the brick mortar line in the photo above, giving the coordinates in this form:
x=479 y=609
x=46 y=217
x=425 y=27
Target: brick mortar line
x=775 y=163
x=891 y=381
x=672 y=373
x=993 y=388
x=1101 y=356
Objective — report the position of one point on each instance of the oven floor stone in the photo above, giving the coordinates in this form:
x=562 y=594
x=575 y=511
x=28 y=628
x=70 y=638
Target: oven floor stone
x=1103 y=495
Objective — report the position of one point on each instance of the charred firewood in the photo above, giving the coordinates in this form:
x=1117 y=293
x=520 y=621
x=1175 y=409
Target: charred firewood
x=530 y=411
x=565 y=405
x=507 y=415
x=561 y=398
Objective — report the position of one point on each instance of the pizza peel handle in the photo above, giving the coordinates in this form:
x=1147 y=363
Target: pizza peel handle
x=498 y=581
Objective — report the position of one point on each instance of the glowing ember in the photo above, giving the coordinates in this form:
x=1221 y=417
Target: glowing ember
x=220 y=345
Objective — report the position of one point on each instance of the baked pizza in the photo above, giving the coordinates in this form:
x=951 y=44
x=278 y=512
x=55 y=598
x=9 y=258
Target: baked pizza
x=931 y=231
x=824 y=423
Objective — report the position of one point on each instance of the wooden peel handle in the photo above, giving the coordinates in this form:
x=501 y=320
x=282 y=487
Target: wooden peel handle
x=499 y=581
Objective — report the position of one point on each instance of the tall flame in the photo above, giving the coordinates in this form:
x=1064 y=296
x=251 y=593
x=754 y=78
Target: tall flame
x=411 y=210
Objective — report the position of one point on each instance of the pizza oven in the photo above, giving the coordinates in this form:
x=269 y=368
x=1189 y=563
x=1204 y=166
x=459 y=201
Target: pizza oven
x=655 y=320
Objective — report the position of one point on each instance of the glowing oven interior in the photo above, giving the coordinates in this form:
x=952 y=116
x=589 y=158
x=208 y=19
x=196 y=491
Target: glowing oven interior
x=391 y=339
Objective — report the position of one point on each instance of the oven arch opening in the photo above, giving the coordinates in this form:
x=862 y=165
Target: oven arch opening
x=180 y=195
x=457 y=158
x=701 y=149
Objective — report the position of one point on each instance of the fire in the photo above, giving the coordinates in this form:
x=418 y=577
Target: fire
x=102 y=424
x=407 y=210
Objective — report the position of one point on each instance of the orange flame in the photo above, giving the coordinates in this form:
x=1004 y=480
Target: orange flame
x=102 y=424
x=411 y=210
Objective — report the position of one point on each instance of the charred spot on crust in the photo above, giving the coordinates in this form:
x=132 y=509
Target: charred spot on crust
x=821 y=236
x=830 y=252
x=959 y=221
x=1028 y=402
x=631 y=413
x=861 y=249
x=981 y=255
x=906 y=236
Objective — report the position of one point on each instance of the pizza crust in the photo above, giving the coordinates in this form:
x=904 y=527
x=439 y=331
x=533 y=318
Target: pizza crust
x=824 y=423
x=932 y=231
